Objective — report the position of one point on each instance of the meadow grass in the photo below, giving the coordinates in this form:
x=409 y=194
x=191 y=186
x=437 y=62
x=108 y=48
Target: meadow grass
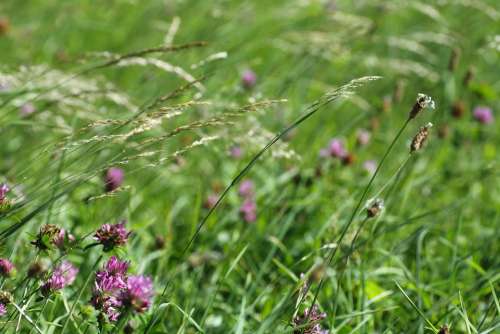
x=270 y=160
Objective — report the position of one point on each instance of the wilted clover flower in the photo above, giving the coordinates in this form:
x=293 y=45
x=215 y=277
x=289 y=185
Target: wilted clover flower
x=37 y=269
x=370 y=166
x=48 y=236
x=210 y=201
x=138 y=293
x=363 y=137
x=107 y=288
x=113 y=178
x=4 y=189
x=444 y=330
x=112 y=235
x=236 y=151
x=483 y=115
x=27 y=109
x=248 y=210
x=423 y=102
x=246 y=189
x=5 y=299
x=248 y=79
x=309 y=323
x=6 y=267
x=62 y=276
x=62 y=239
x=336 y=148
x=374 y=206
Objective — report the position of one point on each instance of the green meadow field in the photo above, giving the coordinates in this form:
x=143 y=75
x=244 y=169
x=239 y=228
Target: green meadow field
x=249 y=166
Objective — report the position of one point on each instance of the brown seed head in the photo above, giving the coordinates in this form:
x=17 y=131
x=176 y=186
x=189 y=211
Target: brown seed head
x=444 y=330
x=5 y=297
x=458 y=109
x=4 y=26
x=469 y=76
x=399 y=91
x=423 y=101
x=37 y=270
x=420 y=138
x=374 y=207
x=454 y=58
x=348 y=159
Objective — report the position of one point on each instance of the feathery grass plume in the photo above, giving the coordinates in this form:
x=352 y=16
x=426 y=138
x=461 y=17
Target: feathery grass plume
x=420 y=138
x=400 y=66
x=344 y=91
x=423 y=102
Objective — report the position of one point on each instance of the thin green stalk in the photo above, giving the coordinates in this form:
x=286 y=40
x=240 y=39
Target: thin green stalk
x=333 y=252
x=431 y=325
x=46 y=301
x=342 y=91
x=87 y=280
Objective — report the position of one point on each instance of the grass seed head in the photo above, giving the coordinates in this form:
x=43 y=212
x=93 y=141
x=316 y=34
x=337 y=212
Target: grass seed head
x=423 y=102
x=420 y=138
x=374 y=207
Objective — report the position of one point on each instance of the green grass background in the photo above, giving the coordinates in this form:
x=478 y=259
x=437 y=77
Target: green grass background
x=438 y=236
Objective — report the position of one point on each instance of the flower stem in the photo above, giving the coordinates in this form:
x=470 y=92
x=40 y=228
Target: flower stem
x=355 y=211
x=80 y=293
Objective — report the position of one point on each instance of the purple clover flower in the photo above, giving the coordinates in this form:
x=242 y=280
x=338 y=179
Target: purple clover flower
x=27 y=109
x=370 y=166
x=4 y=189
x=3 y=310
x=483 y=115
x=6 y=267
x=248 y=210
x=236 y=152
x=112 y=235
x=113 y=178
x=61 y=238
x=336 y=148
x=211 y=200
x=138 y=293
x=62 y=276
x=309 y=323
x=246 y=188
x=363 y=137
x=107 y=288
x=248 y=79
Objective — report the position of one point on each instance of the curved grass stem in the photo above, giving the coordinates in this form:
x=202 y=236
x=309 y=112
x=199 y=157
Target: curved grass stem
x=80 y=293
x=333 y=252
